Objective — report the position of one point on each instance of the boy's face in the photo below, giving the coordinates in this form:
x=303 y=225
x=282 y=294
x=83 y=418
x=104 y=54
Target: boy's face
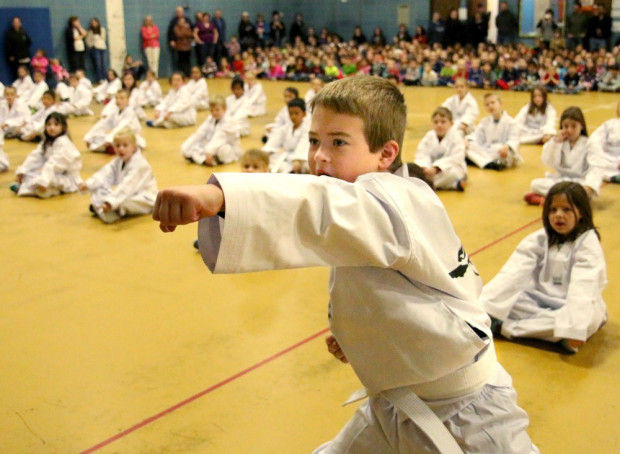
x=73 y=82
x=10 y=94
x=493 y=105
x=254 y=166
x=338 y=147
x=176 y=81
x=196 y=75
x=124 y=147
x=38 y=77
x=297 y=115
x=217 y=111
x=461 y=88
x=21 y=72
x=47 y=100
x=441 y=125
x=121 y=100
x=237 y=91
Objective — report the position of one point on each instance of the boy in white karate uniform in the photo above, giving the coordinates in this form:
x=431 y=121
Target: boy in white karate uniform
x=216 y=141
x=441 y=153
x=23 y=84
x=14 y=114
x=237 y=107
x=607 y=139
x=35 y=126
x=108 y=88
x=33 y=98
x=463 y=106
x=197 y=86
x=282 y=117
x=80 y=97
x=495 y=142
x=101 y=135
x=289 y=144
x=151 y=90
x=125 y=186
x=177 y=108
x=536 y=120
x=256 y=97
x=404 y=305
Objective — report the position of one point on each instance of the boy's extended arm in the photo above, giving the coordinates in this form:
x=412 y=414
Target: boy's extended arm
x=186 y=204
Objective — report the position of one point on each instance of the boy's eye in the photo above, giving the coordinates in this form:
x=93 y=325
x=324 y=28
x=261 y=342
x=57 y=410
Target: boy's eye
x=339 y=142
x=313 y=141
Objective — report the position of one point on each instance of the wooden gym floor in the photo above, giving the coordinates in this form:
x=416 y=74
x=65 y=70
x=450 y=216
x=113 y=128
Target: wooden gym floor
x=117 y=339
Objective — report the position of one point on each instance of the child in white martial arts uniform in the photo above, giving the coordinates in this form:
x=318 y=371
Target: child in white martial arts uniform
x=80 y=97
x=151 y=90
x=537 y=119
x=607 y=138
x=288 y=145
x=34 y=128
x=316 y=85
x=551 y=286
x=572 y=155
x=282 y=119
x=106 y=90
x=177 y=108
x=135 y=97
x=14 y=114
x=237 y=107
x=4 y=158
x=53 y=167
x=441 y=153
x=495 y=142
x=101 y=135
x=216 y=141
x=126 y=185
x=404 y=307
x=33 y=97
x=463 y=106
x=197 y=86
x=23 y=84
x=256 y=97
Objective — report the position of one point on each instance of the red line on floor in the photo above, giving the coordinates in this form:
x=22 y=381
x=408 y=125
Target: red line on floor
x=255 y=366
x=202 y=393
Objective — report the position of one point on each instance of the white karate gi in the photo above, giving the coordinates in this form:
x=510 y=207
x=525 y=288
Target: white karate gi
x=550 y=293
x=607 y=139
x=464 y=111
x=448 y=155
x=579 y=164
x=107 y=89
x=23 y=87
x=490 y=136
x=181 y=107
x=532 y=128
x=57 y=168
x=36 y=123
x=4 y=158
x=33 y=97
x=151 y=93
x=105 y=129
x=403 y=297
x=14 y=117
x=63 y=90
x=237 y=112
x=256 y=99
x=286 y=145
x=220 y=140
x=1 y=90
x=200 y=93
x=80 y=98
x=130 y=189
x=282 y=119
x=135 y=102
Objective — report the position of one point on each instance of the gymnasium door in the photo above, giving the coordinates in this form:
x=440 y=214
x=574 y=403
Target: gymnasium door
x=36 y=22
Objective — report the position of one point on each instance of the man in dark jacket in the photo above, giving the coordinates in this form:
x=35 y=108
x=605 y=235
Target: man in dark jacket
x=247 y=32
x=220 y=24
x=576 y=27
x=507 y=25
x=17 y=46
x=599 y=29
x=298 y=28
x=179 y=13
x=436 y=30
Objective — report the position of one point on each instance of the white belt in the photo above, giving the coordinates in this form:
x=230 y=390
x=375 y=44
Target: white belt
x=459 y=383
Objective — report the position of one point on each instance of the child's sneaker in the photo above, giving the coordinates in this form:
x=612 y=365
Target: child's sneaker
x=531 y=198
x=460 y=186
x=496 y=326
x=14 y=187
x=150 y=123
x=196 y=245
x=495 y=165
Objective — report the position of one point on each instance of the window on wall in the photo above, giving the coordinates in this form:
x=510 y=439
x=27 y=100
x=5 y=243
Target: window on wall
x=403 y=15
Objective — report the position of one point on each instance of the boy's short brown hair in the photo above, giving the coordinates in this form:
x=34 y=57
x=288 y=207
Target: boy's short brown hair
x=379 y=104
x=126 y=132
x=442 y=111
x=217 y=100
x=255 y=156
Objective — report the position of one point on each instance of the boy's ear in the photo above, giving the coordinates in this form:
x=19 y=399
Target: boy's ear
x=389 y=151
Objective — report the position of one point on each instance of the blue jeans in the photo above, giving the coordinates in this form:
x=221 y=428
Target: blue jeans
x=97 y=57
x=597 y=43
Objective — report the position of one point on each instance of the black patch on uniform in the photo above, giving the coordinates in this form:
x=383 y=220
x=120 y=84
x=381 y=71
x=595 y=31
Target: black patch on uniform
x=460 y=270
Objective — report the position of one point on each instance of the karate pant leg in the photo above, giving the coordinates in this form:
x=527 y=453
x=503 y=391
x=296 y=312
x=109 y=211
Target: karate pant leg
x=227 y=153
x=136 y=205
x=107 y=217
x=530 y=138
x=480 y=156
x=448 y=178
x=4 y=161
x=528 y=319
x=542 y=185
x=177 y=120
x=29 y=188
